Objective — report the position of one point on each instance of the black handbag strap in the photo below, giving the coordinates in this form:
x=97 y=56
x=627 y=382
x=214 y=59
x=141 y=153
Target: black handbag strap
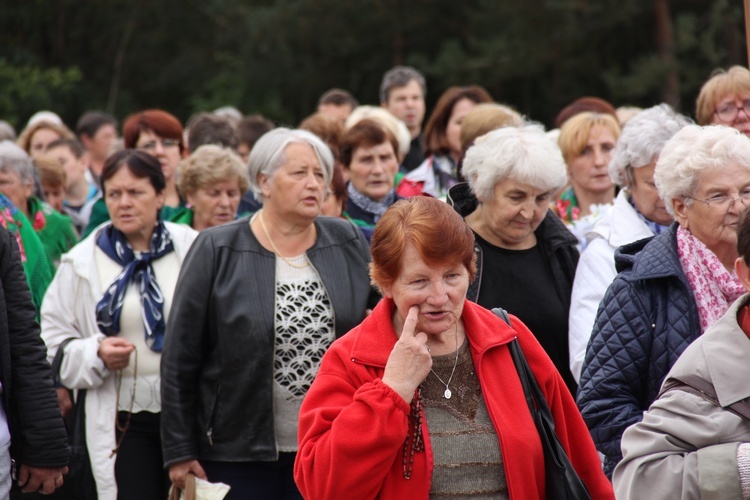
x=698 y=386
x=534 y=396
x=57 y=360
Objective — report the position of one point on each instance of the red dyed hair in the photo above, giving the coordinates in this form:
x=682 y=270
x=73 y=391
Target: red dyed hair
x=438 y=233
x=161 y=123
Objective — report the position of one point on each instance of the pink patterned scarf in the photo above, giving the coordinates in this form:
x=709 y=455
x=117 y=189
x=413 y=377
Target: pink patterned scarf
x=714 y=288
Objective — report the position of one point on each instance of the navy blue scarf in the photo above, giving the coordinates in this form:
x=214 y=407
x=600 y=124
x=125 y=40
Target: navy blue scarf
x=135 y=269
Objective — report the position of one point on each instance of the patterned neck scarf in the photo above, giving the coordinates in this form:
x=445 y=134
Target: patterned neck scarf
x=714 y=288
x=367 y=204
x=655 y=227
x=138 y=269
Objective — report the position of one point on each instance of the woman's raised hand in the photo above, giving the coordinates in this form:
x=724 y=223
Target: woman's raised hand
x=409 y=362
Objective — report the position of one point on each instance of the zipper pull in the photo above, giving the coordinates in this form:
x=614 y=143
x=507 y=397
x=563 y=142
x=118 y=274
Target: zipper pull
x=209 y=433
x=13 y=470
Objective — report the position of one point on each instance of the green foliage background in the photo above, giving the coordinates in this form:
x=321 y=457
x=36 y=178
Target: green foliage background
x=277 y=56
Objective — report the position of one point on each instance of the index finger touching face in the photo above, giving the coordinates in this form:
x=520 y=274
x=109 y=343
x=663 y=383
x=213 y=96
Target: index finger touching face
x=410 y=322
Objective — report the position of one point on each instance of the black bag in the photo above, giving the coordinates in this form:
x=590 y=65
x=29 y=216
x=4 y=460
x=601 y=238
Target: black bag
x=561 y=480
x=79 y=483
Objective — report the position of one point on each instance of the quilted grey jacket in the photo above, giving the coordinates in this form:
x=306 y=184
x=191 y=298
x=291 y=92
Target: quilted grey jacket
x=645 y=321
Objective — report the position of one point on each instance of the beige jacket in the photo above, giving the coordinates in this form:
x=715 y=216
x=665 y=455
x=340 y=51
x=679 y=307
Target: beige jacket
x=685 y=447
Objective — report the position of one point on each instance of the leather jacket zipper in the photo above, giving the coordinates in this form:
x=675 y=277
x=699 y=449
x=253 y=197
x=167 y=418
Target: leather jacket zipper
x=210 y=430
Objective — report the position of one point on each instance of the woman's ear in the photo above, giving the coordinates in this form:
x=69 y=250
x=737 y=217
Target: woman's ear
x=679 y=205
x=264 y=182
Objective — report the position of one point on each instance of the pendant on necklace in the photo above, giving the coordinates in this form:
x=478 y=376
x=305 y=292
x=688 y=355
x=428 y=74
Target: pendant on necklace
x=447 y=393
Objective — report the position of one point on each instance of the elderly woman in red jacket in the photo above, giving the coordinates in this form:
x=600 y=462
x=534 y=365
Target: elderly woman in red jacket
x=422 y=398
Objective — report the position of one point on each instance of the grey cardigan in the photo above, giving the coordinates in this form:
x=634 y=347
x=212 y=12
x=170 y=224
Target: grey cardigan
x=217 y=362
x=685 y=447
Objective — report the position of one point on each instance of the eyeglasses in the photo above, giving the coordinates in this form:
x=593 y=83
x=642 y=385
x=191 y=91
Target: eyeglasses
x=725 y=202
x=727 y=112
x=165 y=143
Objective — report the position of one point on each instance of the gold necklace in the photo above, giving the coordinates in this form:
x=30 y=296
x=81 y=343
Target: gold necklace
x=276 y=250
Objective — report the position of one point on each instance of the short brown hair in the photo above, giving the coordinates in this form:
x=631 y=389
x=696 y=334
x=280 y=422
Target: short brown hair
x=435 y=138
x=583 y=105
x=437 y=232
x=735 y=81
x=328 y=129
x=338 y=97
x=161 y=123
x=365 y=133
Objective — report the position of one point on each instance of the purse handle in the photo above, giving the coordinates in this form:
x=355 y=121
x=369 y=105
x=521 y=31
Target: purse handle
x=534 y=396
x=57 y=361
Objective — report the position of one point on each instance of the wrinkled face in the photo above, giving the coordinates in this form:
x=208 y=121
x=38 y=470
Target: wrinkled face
x=215 y=204
x=372 y=170
x=646 y=196
x=407 y=104
x=453 y=130
x=167 y=151
x=100 y=144
x=588 y=171
x=297 y=188
x=715 y=223
x=133 y=205
x=733 y=111
x=75 y=168
x=515 y=212
x=40 y=140
x=54 y=195
x=15 y=189
x=438 y=292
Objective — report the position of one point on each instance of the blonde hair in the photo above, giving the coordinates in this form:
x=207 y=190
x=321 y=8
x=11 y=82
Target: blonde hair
x=24 y=140
x=486 y=117
x=208 y=165
x=575 y=132
x=734 y=82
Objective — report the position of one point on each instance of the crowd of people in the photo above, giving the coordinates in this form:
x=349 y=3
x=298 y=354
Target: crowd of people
x=312 y=311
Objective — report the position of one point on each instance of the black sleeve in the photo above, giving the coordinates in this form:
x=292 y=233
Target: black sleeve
x=43 y=441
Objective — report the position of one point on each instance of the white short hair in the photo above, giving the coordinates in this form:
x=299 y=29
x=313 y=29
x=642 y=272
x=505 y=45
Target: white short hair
x=694 y=150
x=642 y=140
x=268 y=154
x=525 y=154
x=13 y=159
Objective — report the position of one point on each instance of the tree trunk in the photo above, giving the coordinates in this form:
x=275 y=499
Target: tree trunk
x=670 y=91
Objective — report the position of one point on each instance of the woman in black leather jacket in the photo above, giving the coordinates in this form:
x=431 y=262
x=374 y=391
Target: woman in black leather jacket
x=257 y=304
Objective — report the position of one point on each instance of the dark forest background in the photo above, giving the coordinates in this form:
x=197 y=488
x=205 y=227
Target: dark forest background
x=277 y=56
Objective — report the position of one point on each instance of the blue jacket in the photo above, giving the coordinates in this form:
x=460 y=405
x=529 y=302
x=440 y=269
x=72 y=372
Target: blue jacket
x=647 y=318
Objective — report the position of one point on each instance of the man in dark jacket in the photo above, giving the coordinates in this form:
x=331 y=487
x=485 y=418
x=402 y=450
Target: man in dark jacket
x=31 y=427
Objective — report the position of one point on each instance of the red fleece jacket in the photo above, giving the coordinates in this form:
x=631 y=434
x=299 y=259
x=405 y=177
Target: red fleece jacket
x=352 y=426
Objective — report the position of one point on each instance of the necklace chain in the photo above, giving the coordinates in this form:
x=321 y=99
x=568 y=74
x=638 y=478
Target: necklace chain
x=276 y=250
x=447 y=394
